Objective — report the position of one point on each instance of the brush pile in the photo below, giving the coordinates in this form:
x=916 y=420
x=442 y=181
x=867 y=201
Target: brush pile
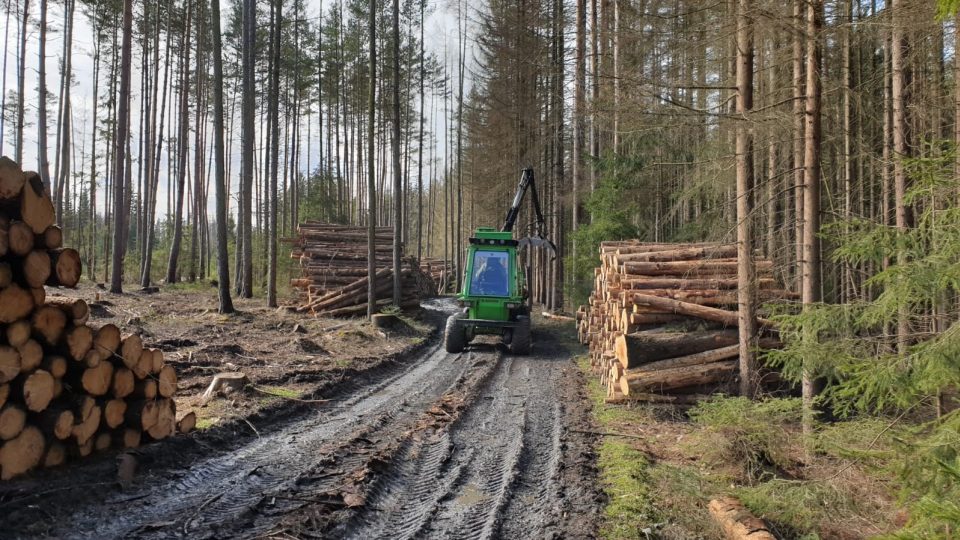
x=333 y=267
x=662 y=319
x=66 y=389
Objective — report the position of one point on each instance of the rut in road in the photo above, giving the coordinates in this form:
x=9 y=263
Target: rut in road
x=437 y=446
x=493 y=474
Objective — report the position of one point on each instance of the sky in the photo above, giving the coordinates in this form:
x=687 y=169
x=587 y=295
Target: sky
x=440 y=35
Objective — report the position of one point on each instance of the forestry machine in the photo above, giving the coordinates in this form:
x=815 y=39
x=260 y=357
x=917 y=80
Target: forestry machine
x=495 y=296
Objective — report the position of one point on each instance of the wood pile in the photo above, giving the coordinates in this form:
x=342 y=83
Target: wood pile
x=661 y=322
x=66 y=389
x=333 y=267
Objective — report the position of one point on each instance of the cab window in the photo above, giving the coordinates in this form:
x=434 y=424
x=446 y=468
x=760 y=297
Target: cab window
x=490 y=273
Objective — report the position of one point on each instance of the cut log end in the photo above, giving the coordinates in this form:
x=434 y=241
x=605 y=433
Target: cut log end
x=21 y=453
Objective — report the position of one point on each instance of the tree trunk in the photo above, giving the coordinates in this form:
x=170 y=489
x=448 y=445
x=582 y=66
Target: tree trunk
x=274 y=149
x=122 y=129
x=221 y=188
x=395 y=145
x=182 y=138
x=248 y=135
x=810 y=264
x=371 y=163
x=746 y=290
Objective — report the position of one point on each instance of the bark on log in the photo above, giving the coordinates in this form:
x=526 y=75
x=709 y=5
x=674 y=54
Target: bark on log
x=4 y=394
x=737 y=522
x=688 y=268
x=21 y=453
x=633 y=350
x=76 y=309
x=670 y=379
x=679 y=254
x=692 y=310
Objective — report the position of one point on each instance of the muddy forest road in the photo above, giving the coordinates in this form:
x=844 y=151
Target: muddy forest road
x=477 y=445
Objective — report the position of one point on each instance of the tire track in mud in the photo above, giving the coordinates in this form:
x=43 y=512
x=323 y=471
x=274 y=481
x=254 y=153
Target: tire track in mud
x=440 y=446
x=492 y=474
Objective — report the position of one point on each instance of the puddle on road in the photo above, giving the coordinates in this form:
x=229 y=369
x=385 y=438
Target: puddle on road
x=472 y=496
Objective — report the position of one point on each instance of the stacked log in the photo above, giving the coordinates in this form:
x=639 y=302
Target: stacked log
x=66 y=389
x=661 y=322
x=333 y=266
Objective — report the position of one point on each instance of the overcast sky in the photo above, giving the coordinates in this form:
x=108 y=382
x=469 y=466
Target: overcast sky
x=440 y=35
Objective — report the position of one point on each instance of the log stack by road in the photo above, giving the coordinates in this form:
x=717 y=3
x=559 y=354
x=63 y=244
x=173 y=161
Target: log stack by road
x=66 y=389
x=661 y=322
x=333 y=266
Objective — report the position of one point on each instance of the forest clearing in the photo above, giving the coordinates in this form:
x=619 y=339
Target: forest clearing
x=621 y=269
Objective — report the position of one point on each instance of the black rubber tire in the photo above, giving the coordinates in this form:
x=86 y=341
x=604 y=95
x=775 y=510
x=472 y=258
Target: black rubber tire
x=454 y=335
x=520 y=343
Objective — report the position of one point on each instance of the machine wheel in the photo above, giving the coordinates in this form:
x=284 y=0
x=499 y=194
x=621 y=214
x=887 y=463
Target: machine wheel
x=454 y=335
x=520 y=343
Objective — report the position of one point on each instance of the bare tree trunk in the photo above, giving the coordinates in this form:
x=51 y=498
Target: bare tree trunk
x=395 y=144
x=182 y=137
x=21 y=81
x=3 y=85
x=423 y=4
x=248 y=136
x=898 y=91
x=746 y=285
x=798 y=137
x=274 y=103
x=42 y=99
x=579 y=98
x=122 y=129
x=810 y=265
x=371 y=165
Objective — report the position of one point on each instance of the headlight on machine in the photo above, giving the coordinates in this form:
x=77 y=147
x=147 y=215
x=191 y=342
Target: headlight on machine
x=466 y=303
x=512 y=305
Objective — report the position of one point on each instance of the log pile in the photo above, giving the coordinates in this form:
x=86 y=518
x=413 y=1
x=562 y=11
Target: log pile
x=661 y=322
x=333 y=267
x=66 y=389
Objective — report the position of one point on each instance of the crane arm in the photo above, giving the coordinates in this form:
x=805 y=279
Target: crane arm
x=527 y=182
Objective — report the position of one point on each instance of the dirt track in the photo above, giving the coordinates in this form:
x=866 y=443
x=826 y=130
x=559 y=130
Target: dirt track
x=476 y=445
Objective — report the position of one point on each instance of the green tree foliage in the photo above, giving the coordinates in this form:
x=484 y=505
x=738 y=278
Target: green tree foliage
x=856 y=353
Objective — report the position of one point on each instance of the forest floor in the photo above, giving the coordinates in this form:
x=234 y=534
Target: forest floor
x=661 y=465
x=344 y=432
